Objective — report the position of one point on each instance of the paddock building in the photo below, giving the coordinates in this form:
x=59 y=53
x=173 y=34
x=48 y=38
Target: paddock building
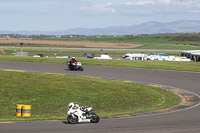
x=193 y=55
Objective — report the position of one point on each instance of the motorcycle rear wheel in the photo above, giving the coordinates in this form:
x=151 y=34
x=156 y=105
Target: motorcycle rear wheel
x=70 y=68
x=72 y=120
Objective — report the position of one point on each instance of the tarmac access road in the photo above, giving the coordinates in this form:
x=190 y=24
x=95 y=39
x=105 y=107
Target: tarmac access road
x=184 y=121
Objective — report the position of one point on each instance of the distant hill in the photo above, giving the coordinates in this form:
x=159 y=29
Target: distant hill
x=181 y=26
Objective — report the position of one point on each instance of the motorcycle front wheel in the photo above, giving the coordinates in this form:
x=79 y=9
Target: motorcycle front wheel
x=81 y=68
x=94 y=118
x=72 y=120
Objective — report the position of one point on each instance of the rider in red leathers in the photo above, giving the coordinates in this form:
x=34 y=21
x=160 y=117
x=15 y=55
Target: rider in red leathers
x=72 y=61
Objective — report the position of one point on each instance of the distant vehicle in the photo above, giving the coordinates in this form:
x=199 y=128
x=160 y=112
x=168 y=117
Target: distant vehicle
x=103 y=56
x=88 y=55
x=135 y=56
x=39 y=55
x=160 y=54
x=62 y=56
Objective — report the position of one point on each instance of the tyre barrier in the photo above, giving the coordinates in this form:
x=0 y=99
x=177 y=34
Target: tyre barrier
x=26 y=110
x=19 y=110
x=23 y=110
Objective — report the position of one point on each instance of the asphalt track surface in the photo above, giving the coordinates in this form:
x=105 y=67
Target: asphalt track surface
x=185 y=121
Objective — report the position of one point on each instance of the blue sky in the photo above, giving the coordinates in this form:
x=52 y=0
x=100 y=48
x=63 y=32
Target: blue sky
x=48 y=15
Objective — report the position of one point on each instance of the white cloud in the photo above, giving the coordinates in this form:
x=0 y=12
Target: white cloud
x=195 y=11
x=180 y=3
x=164 y=1
x=139 y=3
x=158 y=6
x=78 y=13
x=99 y=8
x=145 y=7
x=191 y=3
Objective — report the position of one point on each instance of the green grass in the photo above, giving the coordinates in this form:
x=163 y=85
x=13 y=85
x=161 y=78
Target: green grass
x=163 y=41
x=150 y=41
x=169 y=47
x=165 y=65
x=80 y=52
x=49 y=95
x=142 y=39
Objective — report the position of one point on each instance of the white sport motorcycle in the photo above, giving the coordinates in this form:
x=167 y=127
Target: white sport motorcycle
x=77 y=114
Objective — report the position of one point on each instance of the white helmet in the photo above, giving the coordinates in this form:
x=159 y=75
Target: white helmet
x=71 y=105
x=73 y=57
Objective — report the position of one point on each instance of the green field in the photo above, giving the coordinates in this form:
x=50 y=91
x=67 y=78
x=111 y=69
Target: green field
x=164 y=65
x=141 y=39
x=186 y=42
x=158 y=41
x=169 y=47
x=49 y=96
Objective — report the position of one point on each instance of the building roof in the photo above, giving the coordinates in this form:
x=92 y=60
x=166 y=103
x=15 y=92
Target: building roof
x=191 y=51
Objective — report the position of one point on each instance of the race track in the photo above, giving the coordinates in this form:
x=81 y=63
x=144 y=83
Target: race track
x=185 y=121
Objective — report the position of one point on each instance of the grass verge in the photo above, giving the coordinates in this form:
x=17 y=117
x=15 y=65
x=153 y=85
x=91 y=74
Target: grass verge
x=79 y=52
x=164 y=65
x=169 y=47
x=49 y=95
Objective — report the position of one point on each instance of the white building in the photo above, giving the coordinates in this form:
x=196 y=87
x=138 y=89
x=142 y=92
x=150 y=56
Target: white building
x=192 y=54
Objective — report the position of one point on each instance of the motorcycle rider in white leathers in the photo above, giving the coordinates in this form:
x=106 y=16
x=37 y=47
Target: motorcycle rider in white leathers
x=80 y=111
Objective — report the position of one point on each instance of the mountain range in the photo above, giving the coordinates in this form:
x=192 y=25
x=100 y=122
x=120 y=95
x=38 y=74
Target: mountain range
x=152 y=27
